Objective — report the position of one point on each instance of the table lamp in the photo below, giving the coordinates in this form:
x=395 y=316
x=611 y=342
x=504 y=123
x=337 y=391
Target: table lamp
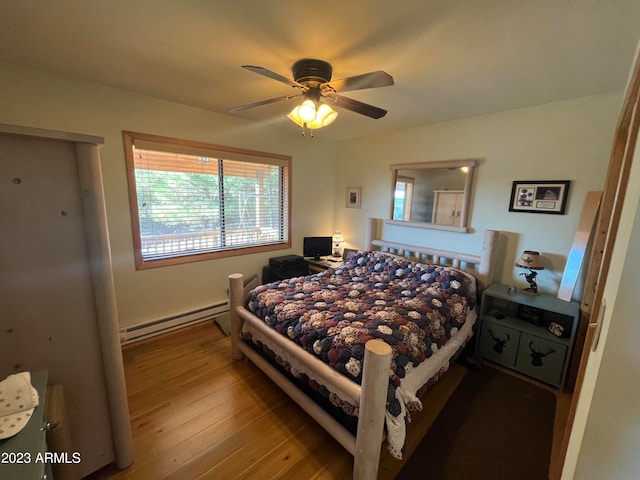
x=337 y=240
x=530 y=260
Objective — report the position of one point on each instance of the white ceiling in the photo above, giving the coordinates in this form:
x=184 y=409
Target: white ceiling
x=450 y=58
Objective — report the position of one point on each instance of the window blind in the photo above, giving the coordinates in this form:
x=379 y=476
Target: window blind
x=189 y=203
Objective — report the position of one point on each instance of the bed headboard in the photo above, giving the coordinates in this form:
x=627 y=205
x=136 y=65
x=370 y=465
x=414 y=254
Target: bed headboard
x=481 y=266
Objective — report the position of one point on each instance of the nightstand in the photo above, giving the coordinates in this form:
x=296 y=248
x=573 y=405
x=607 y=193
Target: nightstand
x=514 y=332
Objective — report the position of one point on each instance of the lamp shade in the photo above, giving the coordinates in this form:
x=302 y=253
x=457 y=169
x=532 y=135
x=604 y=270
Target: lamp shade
x=337 y=239
x=307 y=111
x=530 y=259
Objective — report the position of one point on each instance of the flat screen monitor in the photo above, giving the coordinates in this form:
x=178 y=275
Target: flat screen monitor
x=317 y=247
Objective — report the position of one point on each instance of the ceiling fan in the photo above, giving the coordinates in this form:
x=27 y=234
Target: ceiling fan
x=312 y=78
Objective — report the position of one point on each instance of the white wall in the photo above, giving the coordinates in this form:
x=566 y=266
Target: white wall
x=36 y=99
x=560 y=141
x=567 y=140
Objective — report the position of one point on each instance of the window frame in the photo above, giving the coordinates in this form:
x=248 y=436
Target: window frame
x=191 y=147
x=407 y=201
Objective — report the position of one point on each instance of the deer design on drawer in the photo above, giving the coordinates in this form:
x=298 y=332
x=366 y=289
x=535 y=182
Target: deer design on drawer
x=500 y=342
x=538 y=355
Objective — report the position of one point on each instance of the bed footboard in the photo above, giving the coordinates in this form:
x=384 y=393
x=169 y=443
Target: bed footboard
x=371 y=396
x=373 y=407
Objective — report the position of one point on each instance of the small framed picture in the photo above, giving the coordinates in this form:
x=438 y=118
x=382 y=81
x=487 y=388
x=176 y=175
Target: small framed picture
x=530 y=314
x=556 y=329
x=354 y=197
x=347 y=253
x=539 y=196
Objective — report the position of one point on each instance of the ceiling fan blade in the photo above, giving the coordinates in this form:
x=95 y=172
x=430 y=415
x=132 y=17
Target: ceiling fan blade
x=356 y=106
x=263 y=102
x=360 y=82
x=274 y=75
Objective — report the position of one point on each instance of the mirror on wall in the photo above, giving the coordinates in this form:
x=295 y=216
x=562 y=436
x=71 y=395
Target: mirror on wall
x=432 y=194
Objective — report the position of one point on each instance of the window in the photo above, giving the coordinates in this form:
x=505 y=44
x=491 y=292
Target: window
x=193 y=201
x=403 y=198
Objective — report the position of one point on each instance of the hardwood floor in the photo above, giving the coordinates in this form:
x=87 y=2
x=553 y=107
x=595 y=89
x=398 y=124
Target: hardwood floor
x=198 y=414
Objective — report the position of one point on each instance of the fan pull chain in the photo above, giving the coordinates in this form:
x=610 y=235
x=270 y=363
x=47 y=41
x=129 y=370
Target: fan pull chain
x=305 y=129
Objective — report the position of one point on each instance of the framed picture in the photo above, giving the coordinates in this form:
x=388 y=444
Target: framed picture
x=347 y=253
x=539 y=196
x=354 y=195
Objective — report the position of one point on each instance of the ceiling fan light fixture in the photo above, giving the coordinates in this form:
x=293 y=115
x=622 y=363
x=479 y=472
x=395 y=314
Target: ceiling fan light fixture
x=322 y=116
x=312 y=77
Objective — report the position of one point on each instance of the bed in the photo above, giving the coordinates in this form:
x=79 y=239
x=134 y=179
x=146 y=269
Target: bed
x=357 y=345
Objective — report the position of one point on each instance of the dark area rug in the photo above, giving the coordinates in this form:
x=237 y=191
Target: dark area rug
x=494 y=427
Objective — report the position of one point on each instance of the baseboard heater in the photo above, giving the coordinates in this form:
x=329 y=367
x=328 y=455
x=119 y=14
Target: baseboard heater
x=156 y=327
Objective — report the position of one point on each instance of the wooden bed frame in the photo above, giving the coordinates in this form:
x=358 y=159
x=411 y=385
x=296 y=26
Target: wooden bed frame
x=365 y=446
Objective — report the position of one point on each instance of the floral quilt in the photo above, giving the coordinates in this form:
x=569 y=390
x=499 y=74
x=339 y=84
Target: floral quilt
x=414 y=307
